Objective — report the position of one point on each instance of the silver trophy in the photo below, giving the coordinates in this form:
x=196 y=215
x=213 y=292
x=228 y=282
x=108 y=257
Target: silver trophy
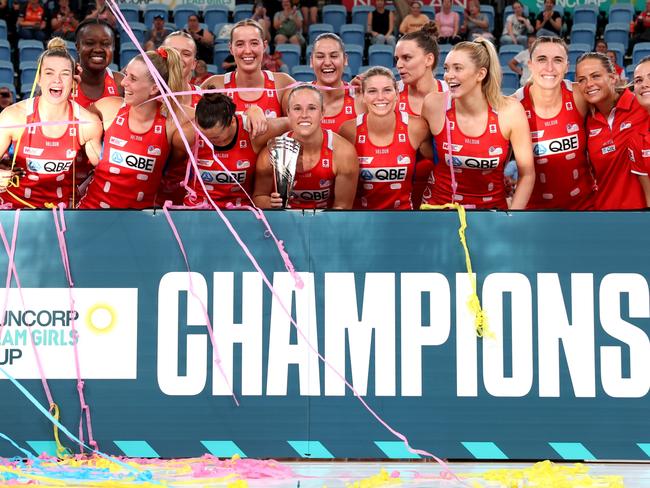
x=284 y=152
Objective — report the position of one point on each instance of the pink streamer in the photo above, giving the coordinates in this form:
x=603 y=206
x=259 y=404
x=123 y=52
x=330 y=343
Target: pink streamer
x=45 y=123
x=59 y=223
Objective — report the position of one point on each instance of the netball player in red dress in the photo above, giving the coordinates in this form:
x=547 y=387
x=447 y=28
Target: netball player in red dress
x=45 y=155
x=482 y=125
x=612 y=125
x=641 y=156
x=416 y=56
x=247 y=46
x=141 y=138
x=328 y=60
x=556 y=114
x=235 y=148
x=386 y=141
x=327 y=170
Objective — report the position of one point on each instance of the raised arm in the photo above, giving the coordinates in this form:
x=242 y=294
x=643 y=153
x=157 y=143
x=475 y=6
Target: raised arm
x=276 y=127
x=90 y=135
x=512 y=119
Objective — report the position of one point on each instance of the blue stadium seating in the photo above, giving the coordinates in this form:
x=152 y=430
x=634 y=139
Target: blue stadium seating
x=27 y=72
x=461 y=13
x=241 y=12
x=114 y=67
x=335 y=15
x=128 y=51
x=139 y=30
x=5 y=50
x=510 y=79
x=489 y=11
x=221 y=52
x=629 y=71
x=616 y=32
x=6 y=72
x=576 y=49
x=130 y=11
x=290 y=54
x=363 y=69
x=353 y=34
x=585 y=14
x=640 y=51
x=29 y=49
x=317 y=29
x=355 y=56
x=380 y=55
x=360 y=15
x=444 y=50
x=347 y=74
x=171 y=26
x=621 y=13
x=183 y=11
x=72 y=49
x=303 y=73
x=508 y=11
x=153 y=9
x=216 y=30
x=620 y=51
x=571 y=74
x=212 y=68
x=429 y=11
x=3 y=29
x=583 y=34
x=214 y=15
x=507 y=52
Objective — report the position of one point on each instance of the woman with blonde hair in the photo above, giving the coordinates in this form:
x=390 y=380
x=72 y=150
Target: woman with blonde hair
x=45 y=156
x=141 y=138
x=474 y=131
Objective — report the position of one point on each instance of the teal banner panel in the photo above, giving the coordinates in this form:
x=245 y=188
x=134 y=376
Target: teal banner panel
x=382 y=303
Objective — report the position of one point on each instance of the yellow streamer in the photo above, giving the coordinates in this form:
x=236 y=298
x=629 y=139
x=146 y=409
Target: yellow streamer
x=383 y=478
x=474 y=303
x=61 y=451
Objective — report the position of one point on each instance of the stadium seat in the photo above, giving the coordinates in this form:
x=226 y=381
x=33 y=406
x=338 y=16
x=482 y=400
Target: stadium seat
x=130 y=11
x=128 y=51
x=640 y=51
x=139 y=30
x=571 y=74
x=217 y=14
x=363 y=69
x=317 y=29
x=221 y=52
x=355 y=56
x=380 y=55
x=336 y=15
x=360 y=15
x=29 y=49
x=429 y=11
x=577 y=49
x=508 y=11
x=618 y=48
x=27 y=72
x=171 y=26
x=629 y=71
x=26 y=90
x=461 y=13
x=559 y=9
x=114 y=67
x=622 y=13
x=3 y=29
x=444 y=50
x=72 y=49
x=290 y=54
x=620 y=33
x=440 y=71
x=510 y=81
x=583 y=34
x=183 y=11
x=303 y=73
x=243 y=11
x=489 y=11
x=11 y=87
x=212 y=69
x=507 y=52
x=6 y=72
x=347 y=74
x=353 y=34
x=216 y=30
x=153 y=9
x=585 y=14
x=5 y=50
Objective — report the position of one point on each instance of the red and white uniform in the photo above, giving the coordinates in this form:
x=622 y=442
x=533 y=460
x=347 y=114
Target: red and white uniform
x=129 y=173
x=424 y=167
x=170 y=185
x=563 y=175
x=347 y=111
x=239 y=158
x=47 y=162
x=609 y=140
x=385 y=172
x=640 y=151
x=268 y=100
x=110 y=90
x=478 y=165
x=315 y=188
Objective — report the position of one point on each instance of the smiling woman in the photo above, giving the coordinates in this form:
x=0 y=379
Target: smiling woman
x=44 y=156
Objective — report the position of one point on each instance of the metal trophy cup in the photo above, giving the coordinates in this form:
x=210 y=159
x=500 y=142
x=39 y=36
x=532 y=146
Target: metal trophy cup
x=284 y=152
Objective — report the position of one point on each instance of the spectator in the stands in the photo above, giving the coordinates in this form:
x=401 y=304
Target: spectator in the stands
x=519 y=64
x=31 y=21
x=620 y=72
x=601 y=46
x=259 y=15
x=228 y=64
x=6 y=98
x=64 y=21
x=200 y=73
x=157 y=34
x=381 y=24
x=415 y=20
x=448 y=23
x=517 y=26
x=288 y=24
x=273 y=62
x=309 y=10
x=549 y=22
x=99 y=10
x=203 y=38
x=476 y=23
x=642 y=26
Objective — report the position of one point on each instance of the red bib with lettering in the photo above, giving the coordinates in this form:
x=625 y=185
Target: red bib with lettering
x=268 y=100
x=346 y=113
x=315 y=188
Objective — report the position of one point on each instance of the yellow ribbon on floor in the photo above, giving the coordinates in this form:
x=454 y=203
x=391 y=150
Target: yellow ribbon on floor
x=474 y=303
x=61 y=451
